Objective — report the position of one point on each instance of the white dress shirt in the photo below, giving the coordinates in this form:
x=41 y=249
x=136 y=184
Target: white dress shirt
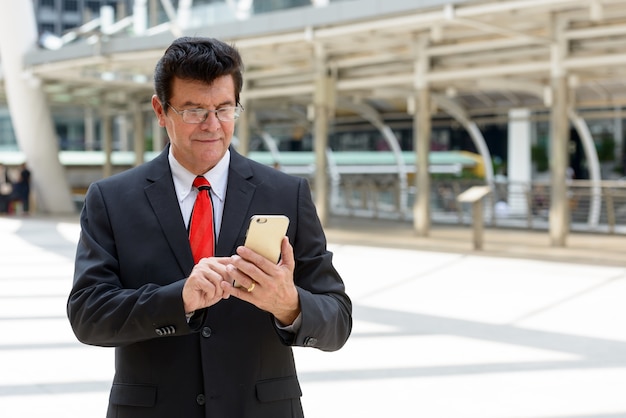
x=186 y=194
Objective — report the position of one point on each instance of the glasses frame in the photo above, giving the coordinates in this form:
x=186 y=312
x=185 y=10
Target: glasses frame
x=237 y=110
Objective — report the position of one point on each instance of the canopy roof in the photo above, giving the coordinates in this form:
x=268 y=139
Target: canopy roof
x=485 y=56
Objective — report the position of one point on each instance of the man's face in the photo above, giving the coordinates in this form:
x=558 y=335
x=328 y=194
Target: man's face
x=198 y=147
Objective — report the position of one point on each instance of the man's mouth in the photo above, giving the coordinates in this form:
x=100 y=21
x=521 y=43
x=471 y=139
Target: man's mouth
x=206 y=139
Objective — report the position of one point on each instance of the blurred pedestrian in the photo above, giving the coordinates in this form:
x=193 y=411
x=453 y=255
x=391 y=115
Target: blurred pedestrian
x=21 y=190
x=6 y=189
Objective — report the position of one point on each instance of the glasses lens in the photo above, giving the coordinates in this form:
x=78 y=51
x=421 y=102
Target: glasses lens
x=195 y=115
x=227 y=114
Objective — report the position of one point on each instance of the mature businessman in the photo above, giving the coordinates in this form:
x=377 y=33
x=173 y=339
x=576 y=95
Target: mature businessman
x=187 y=342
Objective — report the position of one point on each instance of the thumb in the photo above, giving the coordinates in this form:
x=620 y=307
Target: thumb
x=286 y=254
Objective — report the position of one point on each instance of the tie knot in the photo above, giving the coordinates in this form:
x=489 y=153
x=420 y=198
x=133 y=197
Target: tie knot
x=201 y=183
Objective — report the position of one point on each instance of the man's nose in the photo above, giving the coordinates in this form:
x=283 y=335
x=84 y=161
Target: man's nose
x=211 y=122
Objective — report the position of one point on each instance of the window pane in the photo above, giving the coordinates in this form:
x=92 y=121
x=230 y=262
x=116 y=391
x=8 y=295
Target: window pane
x=70 y=5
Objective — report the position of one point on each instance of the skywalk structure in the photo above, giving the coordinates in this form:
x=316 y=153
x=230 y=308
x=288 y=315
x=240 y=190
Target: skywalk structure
x=309 y=66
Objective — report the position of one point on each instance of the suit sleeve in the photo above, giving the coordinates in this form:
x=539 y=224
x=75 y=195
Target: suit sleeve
x=326 y=308
x=100 y=309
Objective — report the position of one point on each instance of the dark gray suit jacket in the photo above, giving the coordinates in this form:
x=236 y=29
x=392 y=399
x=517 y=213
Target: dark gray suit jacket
x=230 y=360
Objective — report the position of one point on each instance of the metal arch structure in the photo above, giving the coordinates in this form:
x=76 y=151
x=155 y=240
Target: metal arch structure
x=594 y=166
x=371 y=50
x=370 y=114
x=470 y=126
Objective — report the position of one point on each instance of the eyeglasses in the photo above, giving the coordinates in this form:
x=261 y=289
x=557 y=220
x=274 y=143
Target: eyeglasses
x=195 y=116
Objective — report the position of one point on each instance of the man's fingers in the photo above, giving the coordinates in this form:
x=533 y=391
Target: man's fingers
x=203 y=287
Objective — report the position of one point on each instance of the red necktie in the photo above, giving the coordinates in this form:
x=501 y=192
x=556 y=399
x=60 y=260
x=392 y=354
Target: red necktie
x=201 y=234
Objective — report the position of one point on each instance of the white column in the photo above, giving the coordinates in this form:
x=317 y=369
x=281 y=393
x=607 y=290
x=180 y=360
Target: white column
x=140 y=16
x=518 y=160
x=107 y=18
x=184 y=13
x=36 y=137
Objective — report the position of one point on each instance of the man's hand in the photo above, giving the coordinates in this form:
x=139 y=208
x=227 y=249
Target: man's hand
x=203 y=286
x=266 y=285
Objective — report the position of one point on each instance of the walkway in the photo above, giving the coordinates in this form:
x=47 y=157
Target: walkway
x=440 y=331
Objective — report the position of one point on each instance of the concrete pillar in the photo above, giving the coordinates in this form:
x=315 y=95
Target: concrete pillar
x=559 y=139
x=421 y=140
x=139 y=142
x=158 y=137
x=90 y=129
x=243 y=128
x=107 y=142
x=320 y=139
x=153 y=13
x=559 y=161
x=618 y=136
x=519 y=160
x=421 y=103
x=123 y=131
x=29 y=109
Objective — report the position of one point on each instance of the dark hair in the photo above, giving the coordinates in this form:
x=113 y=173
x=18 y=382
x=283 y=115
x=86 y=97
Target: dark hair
x=196 y=58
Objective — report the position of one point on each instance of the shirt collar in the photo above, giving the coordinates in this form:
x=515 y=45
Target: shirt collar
x=183 y=179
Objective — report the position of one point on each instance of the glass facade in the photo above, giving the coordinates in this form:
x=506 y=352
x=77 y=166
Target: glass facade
x=7 y=136
x=60 y=16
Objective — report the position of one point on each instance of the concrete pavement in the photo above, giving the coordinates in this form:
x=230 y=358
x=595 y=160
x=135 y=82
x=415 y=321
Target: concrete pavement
x=440 y=330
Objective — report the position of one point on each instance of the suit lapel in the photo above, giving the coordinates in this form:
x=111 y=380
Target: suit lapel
x=162 y=197
x=239 y=193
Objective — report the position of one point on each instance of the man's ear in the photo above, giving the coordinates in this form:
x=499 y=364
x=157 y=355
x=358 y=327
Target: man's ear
x=158 y=110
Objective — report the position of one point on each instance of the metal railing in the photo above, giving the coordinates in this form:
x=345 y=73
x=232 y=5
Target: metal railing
x=594 y=207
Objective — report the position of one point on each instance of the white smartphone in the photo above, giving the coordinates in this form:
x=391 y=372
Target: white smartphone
x=265 y=235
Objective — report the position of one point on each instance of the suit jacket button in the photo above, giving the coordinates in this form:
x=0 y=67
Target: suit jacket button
x=206 y=332
x=310 y=341
x=200 y=399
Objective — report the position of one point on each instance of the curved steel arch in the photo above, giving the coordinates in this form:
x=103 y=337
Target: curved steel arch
x=459 y=114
